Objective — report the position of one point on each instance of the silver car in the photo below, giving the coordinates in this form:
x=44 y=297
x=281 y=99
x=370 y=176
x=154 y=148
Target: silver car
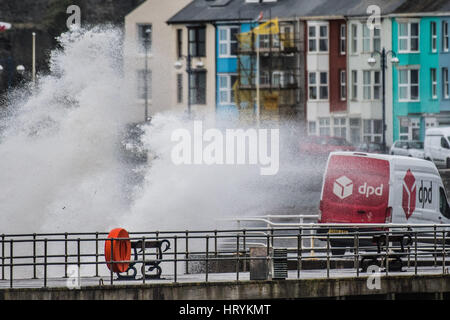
x=408 y=148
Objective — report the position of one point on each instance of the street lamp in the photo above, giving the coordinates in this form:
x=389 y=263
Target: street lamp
x=146 y=45
x=178 y=65
x=20 y=69
x=371 y=61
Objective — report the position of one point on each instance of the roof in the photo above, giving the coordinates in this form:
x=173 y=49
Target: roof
x=398 y=161
x=200 y=11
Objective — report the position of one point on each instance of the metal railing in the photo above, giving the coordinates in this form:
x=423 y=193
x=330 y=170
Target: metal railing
x=37 y=259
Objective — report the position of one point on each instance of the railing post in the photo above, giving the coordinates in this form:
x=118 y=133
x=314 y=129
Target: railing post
x=415 y=253
x=187 y=252
x=299 y=252
x=357 y=253
x=65 y=255
x=387 y=253
x=238 y=257
x=215 y=243
x=207 y=258
x=45 y=262
x=328 y=255
x=143 y=260
x=244 y=244
x=175 y=257
x=435 y=246
x=443 y=252
x=78 y=253
x=96 y=254
x=11 y=262
x=111 y=262
x=3 y=257
x=34 y=256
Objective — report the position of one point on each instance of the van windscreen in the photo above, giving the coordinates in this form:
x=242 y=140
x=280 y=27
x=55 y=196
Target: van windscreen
x=356 y=190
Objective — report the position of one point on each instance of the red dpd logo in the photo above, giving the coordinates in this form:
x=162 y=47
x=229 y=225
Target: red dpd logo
x=409 y=194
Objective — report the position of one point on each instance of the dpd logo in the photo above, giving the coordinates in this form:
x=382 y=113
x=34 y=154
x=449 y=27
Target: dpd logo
x=409 y=194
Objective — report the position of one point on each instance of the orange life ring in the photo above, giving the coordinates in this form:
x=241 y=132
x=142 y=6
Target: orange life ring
x=122 y=250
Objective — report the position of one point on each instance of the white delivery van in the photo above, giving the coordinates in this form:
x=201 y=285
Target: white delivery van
x=368 y=188
x=437 y=146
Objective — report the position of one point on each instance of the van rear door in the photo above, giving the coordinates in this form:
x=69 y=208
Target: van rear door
x=355 y=190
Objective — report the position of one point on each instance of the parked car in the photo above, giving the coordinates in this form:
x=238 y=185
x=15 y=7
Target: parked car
x=408 y=149
x=437 y=146
x=370 y=147
x=323 y=145
x=377 y=189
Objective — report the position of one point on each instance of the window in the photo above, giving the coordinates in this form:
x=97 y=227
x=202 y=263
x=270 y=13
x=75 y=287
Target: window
x=376 y=39
x=408 y=83
x=445 y=88
x=312 y=39
x=404 y=129
x=433 y=36
x=443 y=203
x=409 y=128
x=343 y=86
x=354 y=84
x=366 y=85
x=355 y=130
x=342 y=39
x=226 y=92
x=408 y=37
x=179 y=43
x=179 y=88
x=318 y=33
x=445 y=35
x=433 y=83
x=144 y=89
x=145 y=37
x=228 y=41
x=376 y=85
x=354 y=38
x=340 y=127
x=324 y=126
x=444 y=143
x=312 y=83
x=311 y=128
x=318 y=85
x=373 y=130
x=366 y=38
x=197 y=87
x=197 y=38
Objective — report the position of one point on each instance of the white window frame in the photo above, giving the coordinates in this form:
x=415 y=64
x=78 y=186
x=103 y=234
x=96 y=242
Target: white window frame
x=318 y=84
x=317 y=37
x=445 y=84
x=227 y=42
x=376 y=38
x=433 y=30
x=354 y=84
x=340 y=125
x=343 y=39
x=141 y=37
x=227 y=89
x=366 y=38
x=354 y=36
x=325 y=124
x=408 y=85
x=372 y=135
x=433 y=77
x=366 y=86
x=343 y=85
x=408 y=37
x=445 y=39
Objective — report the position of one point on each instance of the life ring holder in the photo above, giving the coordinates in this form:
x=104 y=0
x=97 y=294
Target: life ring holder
x=121 y=250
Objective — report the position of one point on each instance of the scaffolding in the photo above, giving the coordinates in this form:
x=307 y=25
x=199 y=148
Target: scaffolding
x=280 y=81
